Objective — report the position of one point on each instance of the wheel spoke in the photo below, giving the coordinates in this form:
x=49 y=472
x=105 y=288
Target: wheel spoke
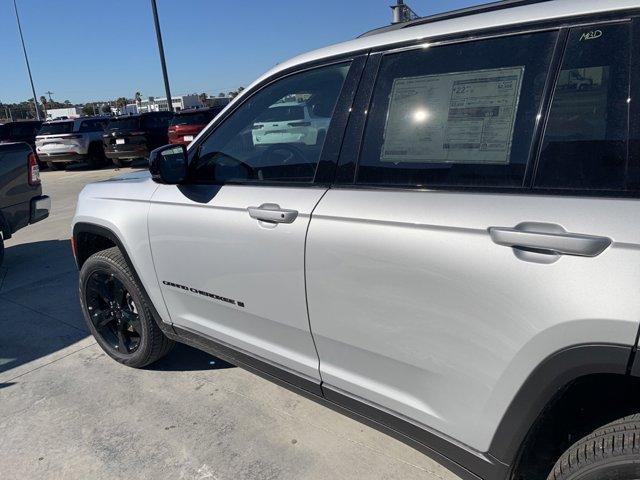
x=119 y=293
x=122 y=342
x=133 y=320
x=101 y=319
x=103 y=290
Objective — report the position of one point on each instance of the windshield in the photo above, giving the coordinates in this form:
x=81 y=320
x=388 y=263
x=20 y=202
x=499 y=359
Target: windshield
x=282 y=114
x=128 y=123
x=198 y=118
x=56 y=128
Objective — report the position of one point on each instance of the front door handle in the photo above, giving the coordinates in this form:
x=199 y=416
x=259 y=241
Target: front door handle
x=552 y=239
x=272 y=213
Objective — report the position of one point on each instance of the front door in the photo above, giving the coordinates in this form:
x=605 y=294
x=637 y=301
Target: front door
x=229 y=247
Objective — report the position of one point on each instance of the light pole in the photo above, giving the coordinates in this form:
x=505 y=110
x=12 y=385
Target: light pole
x=26 y=59
x=161 y=50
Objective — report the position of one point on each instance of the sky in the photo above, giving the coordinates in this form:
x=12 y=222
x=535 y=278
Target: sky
x=89 y=50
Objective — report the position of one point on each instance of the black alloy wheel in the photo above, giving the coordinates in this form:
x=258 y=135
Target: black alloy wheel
x=113 y=313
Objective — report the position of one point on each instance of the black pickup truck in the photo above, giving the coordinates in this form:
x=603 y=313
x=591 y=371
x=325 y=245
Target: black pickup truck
x=21 y=199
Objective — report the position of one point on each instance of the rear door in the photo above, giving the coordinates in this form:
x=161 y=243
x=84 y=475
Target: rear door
x=228 y=247
x=445 y=267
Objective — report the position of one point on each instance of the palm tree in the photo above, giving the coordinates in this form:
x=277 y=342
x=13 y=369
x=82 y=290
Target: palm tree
x=121 y=102
x=138 y=97
x=43 y=101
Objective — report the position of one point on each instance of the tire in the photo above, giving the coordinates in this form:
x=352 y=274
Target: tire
x=611 y=452
x=120 y=163
x=96 y=158
x=152 y=343
x=56 y=166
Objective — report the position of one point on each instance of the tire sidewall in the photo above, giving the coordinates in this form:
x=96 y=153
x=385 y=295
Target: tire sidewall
x=615 y=468
x=103 y=265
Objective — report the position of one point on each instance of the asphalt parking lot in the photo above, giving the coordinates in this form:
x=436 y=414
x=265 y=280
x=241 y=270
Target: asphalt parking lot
x=68 y=411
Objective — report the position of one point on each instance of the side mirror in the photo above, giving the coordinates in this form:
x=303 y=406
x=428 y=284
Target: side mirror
x=169 y=164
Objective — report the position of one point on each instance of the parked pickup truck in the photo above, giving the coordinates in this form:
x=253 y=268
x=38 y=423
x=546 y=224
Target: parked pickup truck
x=21 y=199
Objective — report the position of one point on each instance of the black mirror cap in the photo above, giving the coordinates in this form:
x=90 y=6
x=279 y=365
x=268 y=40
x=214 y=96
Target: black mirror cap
x=169 y=164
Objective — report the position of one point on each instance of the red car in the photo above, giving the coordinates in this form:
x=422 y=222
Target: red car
x=186 y=124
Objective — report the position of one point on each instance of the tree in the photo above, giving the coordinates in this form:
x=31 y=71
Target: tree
x=203 y=98
x=138 y=97
x=88 y=109
x=43 y=101
x=222 y=95
x=121 y=102
x=67 y=102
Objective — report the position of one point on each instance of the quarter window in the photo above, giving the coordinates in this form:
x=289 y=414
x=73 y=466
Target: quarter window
x=456 y=115
x=276 y=135
x=585 y=142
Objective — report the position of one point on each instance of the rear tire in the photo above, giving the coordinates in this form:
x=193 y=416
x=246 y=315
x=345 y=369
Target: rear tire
x=56 y=166
x=120 y=163
x=107 y=273
x=96 y=158
x=610 y=452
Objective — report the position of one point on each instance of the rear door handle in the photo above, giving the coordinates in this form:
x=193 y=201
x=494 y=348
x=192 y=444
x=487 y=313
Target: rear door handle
x=554 y=240
x=272 y=213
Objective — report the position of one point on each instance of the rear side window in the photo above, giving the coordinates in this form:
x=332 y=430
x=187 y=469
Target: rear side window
x=91 y=126
x=156 y=121
x=282 y=114
x=57 y=128
x=585 y=141
x=456 y=115
x=126 y=123
x=199 y=118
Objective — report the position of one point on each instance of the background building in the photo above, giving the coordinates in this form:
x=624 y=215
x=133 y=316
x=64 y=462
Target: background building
x=128 y=109
x=217 y=101
x=159 y=104
x=69 y=112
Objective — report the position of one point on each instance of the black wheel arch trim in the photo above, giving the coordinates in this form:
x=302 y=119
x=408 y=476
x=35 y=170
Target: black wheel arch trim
x=5 y=228
x=541 y=387
x=92 y=228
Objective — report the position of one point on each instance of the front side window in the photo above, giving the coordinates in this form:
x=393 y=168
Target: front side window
x=273 y=137
x=456 y=115
x=585 y=141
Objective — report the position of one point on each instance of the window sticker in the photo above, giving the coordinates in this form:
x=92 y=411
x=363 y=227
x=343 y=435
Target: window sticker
x=462 y=117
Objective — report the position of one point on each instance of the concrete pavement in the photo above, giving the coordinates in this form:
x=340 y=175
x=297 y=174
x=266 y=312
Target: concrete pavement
x=68 y=411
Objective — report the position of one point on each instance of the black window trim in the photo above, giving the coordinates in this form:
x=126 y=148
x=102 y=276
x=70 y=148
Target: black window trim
x=325 y=170
x=347 y=167
x=550 y=92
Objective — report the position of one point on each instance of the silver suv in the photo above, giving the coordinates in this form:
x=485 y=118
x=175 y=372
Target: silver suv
x=61 y=142
x=455 y=263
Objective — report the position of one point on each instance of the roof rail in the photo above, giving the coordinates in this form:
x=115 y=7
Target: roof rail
x=462 y=12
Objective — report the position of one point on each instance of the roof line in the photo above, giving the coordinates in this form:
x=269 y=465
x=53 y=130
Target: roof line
x=462 y=12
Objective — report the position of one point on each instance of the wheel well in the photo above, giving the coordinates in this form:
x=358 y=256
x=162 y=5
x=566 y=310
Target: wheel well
x=88 y=243
x=575 y=411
